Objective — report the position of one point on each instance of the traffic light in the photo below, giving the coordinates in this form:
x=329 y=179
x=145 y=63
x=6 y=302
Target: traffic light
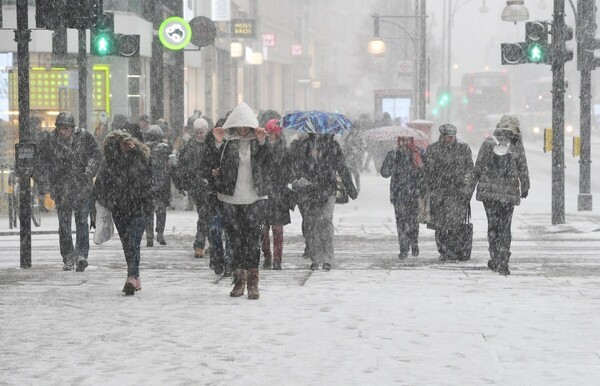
x=566 y=54
x=82 y=14
x=513 y=53
x=127 y=45
x=537 y=42
x=102 y=37
x=444 y=98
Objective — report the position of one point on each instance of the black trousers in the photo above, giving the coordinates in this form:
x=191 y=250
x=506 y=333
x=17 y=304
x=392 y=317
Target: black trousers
x=407 y=226
x=243 y=225
x=499 y=216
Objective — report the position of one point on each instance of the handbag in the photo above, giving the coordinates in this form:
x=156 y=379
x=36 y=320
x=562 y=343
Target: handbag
x=341 y=196
x=105 y=229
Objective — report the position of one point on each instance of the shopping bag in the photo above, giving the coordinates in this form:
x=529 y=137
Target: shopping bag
x=423 y=217
x=341 y=196
x=105 y=229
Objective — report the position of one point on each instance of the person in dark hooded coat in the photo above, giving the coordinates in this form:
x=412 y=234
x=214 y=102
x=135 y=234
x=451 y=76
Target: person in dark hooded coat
x=502 y=180
x=124 y=186
x=448 y=164
x=67 y=161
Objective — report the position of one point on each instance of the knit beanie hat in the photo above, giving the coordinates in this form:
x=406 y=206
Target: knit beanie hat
x=448 y=129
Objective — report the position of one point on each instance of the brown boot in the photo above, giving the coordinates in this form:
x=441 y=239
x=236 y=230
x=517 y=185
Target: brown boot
x=239 y=283
x=253 y=284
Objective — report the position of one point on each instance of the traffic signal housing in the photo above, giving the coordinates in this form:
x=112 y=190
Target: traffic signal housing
x=102 y=37
x=537 y=42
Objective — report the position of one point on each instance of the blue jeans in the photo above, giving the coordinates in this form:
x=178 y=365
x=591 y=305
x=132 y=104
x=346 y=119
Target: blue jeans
x=216 y=240
x=65 y=210
x=131 y=230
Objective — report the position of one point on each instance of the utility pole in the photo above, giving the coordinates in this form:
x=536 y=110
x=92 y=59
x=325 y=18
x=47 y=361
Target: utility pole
x=82 y=63
x=585 y=28
x=422 y=59
x=24 y=158
x=558 y=50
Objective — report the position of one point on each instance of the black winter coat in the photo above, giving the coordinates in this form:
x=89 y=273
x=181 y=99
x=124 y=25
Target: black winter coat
x=192 y=168
x=406 y=178
x=280 y=200
x=229 y=160
x=68 y=168
x=501 y=178
x=320 y=168
x=161 y=171
x=447 y=167
x=124 y=183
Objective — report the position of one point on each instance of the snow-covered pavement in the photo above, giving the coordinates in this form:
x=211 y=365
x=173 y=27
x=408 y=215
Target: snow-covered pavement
x=372 y=320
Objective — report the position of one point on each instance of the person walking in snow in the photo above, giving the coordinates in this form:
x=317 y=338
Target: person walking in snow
x=316 y=160
x=161 y=183
x=447 y=165
x=278 y=212
x=242 y=184
x=67 y=161
x=124 y=186
x=502 y=180
x=404 y=164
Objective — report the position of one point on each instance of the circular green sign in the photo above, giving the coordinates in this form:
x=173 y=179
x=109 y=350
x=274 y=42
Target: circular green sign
x=175 y=33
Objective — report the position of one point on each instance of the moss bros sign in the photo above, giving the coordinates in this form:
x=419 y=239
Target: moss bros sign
x=243 y=28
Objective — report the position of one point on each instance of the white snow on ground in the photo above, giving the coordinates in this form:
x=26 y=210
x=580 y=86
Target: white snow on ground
x=371 y=320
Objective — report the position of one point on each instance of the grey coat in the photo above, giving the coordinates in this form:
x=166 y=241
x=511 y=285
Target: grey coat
x=504 y=178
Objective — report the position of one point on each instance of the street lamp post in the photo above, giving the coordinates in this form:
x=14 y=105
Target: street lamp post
x=377 y=47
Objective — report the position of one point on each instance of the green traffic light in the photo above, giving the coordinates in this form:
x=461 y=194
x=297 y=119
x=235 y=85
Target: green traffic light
x=536 y=53
x=102 y=45
x=444 y=99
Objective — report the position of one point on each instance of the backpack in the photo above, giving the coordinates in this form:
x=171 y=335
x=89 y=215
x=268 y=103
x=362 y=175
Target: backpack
x=159 y=163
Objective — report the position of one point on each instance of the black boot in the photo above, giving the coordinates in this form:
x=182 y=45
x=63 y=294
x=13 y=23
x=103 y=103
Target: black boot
x=493 y=261
x=503 y=257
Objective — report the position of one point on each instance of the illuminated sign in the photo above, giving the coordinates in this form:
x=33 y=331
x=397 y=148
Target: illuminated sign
x=243 y=28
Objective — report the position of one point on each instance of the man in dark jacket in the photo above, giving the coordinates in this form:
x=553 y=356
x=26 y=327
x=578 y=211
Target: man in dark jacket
x=447 y=165
x=404 y=165
x=161 y=184
x=69 y=158
x=316 y=161
x=193 y=171
x=502 y=179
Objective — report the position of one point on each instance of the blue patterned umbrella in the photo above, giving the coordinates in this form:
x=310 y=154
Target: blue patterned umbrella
x=316 y=122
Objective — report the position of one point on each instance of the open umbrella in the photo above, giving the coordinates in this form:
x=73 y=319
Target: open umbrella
x=316 y=122
x=390 y=133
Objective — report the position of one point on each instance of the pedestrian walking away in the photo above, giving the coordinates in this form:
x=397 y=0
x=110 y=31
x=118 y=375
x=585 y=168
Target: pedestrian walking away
x=404 y=165
x=501 y=177
x=67 y=161
x=448 y=163
x=242 y=184
x=124 y=186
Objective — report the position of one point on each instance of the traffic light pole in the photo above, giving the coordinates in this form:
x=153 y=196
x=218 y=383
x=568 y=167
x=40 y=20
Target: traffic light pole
x=23 y=37
x=558 y=112
x=83 y=75
x=586 y=17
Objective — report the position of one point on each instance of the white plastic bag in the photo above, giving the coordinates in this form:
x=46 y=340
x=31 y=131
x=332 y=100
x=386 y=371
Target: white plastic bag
x=105 y=229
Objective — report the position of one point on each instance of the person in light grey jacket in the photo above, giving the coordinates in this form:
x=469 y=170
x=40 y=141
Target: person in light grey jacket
x=502 y=180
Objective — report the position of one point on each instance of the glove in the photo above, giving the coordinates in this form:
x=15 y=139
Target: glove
x=353 y=196
x=524 y=194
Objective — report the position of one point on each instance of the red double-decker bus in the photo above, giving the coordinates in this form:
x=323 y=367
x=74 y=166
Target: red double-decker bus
x=484 y=95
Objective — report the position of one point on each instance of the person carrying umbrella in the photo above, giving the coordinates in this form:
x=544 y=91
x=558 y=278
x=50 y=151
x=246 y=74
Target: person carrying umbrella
x=316 y=159
x=404 y=164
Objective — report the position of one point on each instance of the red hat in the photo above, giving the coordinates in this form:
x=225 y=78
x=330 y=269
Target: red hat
x=272 y=127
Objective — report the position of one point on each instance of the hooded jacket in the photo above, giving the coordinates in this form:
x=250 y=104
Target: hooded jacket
x=501 y=178
x=124 y=182
x=233 y=184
